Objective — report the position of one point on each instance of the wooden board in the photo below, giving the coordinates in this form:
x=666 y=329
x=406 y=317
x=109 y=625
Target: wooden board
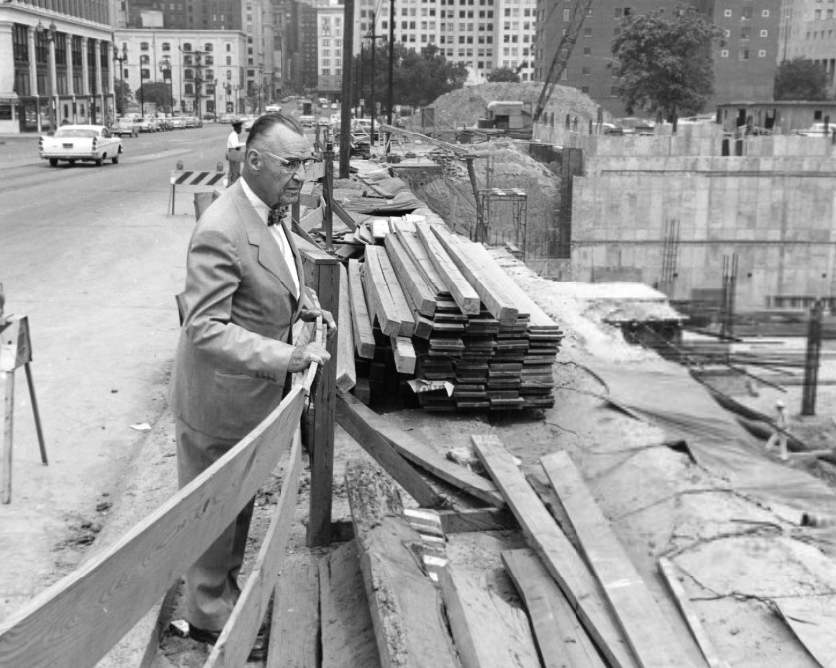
x=404 y=354
x=425 y=456
x=346 y=375
x=348 y=639
x=360 y=321
x=413 y=246
x=559 y=557
x=668 y=571
x=405 y=605
x=377 y=446
x=562 y=641
x=491 y=294
x=463 y=293
x=651 y=638
x=477 y=519
x=411 y=278
x=294 y=629
x=489 y=632
x=404 y=310
x=241 y=629
x=394 y=317
x=78 y=619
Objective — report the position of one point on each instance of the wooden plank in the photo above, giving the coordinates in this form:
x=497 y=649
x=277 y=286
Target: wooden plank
x=404 y=354
x=7 y=405
x=294 y=629
x=377 y=295
x=78 y=619
x=476 y=519
x=668 y=571
x=812 y=619
x=360 y=321
x=491 y=294
x=647 y=631
x=489 y=633
x=413 y=246
x=559 y=557
x=463 y=293
x=346 y=375
x=241 y=629
x=348 y=639
x=405 y=605
x=422 y=295
x=343 y=214
x=425 y=456
x=402 y=311
x=562 y=641
x=377 y=446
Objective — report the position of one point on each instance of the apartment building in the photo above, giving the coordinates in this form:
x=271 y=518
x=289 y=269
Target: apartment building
x=808 y=29
x=55 y=64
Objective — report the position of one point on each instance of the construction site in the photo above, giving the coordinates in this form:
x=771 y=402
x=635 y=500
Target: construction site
x=578 y=412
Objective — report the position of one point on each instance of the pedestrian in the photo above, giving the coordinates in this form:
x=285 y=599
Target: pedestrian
x=244 y=290
x=779 y=436
x=234 y=151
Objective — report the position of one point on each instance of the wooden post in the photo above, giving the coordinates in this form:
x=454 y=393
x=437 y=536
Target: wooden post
x=328 y=192
x=7 y=380
x=811 y=360
x=322 y=273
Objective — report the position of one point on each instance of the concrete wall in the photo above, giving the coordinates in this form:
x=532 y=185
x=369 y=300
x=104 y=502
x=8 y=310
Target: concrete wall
x=775 y=207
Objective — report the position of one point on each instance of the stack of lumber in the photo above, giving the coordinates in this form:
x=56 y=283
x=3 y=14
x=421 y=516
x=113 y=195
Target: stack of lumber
x=453 y=321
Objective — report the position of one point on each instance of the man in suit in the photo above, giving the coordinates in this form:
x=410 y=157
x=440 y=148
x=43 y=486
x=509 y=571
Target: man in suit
x=244 y=290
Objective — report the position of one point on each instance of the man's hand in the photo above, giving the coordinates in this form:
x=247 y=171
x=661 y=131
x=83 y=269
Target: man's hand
x=303 y=356
x=311 y=314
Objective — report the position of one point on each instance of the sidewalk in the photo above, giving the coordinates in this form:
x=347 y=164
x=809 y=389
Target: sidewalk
x=18 y=150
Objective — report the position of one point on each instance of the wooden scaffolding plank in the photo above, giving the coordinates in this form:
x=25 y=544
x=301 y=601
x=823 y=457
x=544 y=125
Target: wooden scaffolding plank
x=393 y=313
x=410 y=277
x=489 y=632
x=404 y=353
x=463 y=293
x=348 y=639
x=346 y=375
x=563 y=563
x=425 y=456
x=413 y=246
x=85 y=613
x=241 y=629
x=647 y=631
x=294 y=628
x=477 y=519
x=360 y=321
x=405 y=311
x=493 y=297
x=405 y=605
x=378 y=447
x=562 y=641
x=668 y=570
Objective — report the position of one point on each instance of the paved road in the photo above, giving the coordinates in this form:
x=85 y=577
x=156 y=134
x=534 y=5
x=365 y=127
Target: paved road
x=91 y=256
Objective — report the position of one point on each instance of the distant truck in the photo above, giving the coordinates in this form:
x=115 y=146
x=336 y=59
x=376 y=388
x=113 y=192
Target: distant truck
x=510 y=117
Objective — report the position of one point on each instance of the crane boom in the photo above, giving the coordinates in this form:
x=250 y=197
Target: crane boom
x=579 y=10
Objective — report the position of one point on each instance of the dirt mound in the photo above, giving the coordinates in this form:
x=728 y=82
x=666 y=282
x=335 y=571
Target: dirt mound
x=464 y=106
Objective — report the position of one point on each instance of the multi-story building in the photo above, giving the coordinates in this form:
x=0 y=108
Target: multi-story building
x=329 y=50
x=189 y=14
x=55 y=64
x=808 y=30
x=204 y=69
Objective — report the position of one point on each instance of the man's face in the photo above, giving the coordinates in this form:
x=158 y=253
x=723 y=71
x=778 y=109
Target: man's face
x=272 y=180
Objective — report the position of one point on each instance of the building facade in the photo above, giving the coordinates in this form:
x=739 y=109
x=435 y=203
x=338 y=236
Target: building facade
x=808 y=30
x=204 y=69
x=55 y=64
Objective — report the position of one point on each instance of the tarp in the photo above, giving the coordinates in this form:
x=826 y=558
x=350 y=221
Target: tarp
x=674 y=401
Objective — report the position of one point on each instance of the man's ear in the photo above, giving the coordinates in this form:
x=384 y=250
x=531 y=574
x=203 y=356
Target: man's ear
x=253 y=159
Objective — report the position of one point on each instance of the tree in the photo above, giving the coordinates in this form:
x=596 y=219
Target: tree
x=156 y=92
x=663 y=62
x=123 y=95
x=418 y=78
x=800 y=79
x=504 y=74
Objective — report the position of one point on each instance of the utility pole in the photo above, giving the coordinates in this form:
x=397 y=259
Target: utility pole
x=345 y=110
x=371 y=95
x=389 y=101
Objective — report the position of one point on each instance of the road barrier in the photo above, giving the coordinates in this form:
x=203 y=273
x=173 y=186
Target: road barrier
x=193 y=181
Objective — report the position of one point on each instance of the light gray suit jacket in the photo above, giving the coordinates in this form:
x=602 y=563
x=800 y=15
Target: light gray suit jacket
x=233 y=352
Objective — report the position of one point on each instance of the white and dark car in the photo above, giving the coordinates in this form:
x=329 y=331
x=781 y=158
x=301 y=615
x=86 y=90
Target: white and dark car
x=72 y=143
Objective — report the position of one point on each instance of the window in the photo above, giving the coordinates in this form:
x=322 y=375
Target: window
x=144 y=60
x=584 y=89
x=762 y=53
x=166 y=46
x=145 y=73
x=229 y=60
x=228 y=47
x=765 y=13
x=187 y=46
x=587 y=32
x=189 y=89
x=724 y=53
x=143 y=46
x=587 y=51
x=764 y=33
x=727 y=13
x=208 y=46
x=745 y=32
x=744 y=54
x=747 y=13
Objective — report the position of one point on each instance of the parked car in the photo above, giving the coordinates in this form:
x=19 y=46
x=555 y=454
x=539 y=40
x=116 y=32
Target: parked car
x=92 y=143
x=126 y=126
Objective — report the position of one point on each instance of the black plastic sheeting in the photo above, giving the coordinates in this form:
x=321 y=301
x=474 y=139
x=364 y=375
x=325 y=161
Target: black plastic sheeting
x=674 y=401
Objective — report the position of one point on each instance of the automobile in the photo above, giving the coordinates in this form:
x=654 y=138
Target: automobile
x=149 y=124
x=635 y=126
x=820 y=129
x=72 y=143
x=307 y=120
x=178 y=122
x=611 y=129
x=126 y=125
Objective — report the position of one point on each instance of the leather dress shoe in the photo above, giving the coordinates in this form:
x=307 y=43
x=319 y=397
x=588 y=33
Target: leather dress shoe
x=258 y=652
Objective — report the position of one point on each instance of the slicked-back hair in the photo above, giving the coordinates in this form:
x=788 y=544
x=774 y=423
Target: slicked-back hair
x=264 y=123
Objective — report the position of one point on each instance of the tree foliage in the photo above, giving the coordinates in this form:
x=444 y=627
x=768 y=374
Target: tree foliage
x=503 y=74
x=155 y=92
x=800 y=79
x=123 y=95
x=663 y=62
x=417 y=77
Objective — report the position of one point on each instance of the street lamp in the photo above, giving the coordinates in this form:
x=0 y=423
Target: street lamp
x=141 y=95
x=165 y=70
x=215 y=99
x=120 y=100
x=50 y=63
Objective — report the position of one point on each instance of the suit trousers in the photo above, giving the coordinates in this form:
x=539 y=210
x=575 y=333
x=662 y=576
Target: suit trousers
x=212 y=581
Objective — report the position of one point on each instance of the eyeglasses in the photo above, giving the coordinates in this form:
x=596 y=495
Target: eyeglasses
x=293 y=164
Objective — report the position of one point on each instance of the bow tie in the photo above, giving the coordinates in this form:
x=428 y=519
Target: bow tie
x=275 y=216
